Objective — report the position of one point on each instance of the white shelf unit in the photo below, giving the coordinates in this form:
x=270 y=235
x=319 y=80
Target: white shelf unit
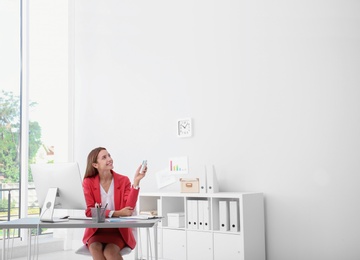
x=246 y=241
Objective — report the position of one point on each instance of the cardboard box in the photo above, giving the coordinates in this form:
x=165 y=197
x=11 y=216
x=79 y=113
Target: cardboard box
x=176 y=219
x=189 y=185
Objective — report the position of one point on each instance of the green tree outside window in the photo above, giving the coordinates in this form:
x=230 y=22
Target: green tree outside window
x=10 y=137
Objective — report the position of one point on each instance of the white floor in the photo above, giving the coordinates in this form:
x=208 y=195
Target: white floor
x=68 y=255
x=60 y=255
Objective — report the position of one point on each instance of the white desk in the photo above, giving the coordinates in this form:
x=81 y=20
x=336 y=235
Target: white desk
x=34 y=223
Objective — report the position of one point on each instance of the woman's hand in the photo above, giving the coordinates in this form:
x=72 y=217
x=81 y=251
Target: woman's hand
x=125 y=212
x=138 y=176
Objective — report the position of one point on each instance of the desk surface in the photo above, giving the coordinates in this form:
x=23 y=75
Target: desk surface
x=35 y=223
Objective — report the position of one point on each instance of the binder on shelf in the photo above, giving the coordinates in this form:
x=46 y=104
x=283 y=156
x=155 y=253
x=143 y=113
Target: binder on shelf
x=206 y=214
x=224 y=215
x=159 y=210
x=189 y=217
x=202 y=182
x=192 y=214
x=211 y=180
x=201 y=214
x=234 y=216
x=195 y=214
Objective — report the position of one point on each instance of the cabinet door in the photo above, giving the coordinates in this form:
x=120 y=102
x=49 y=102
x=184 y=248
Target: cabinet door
x=199 y=245
x=228 y=246
x=174 y=242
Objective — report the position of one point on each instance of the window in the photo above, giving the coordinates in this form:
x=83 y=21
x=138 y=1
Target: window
x=48 y=111
x=10 y=69
x=48 y=77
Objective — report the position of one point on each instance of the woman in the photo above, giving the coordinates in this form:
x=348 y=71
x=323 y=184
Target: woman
x=103 y=186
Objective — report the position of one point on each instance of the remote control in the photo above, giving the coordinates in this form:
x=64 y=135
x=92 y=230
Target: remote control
x=143 y=165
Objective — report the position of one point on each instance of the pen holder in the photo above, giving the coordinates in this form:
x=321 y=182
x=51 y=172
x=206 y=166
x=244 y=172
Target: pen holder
x=98 y=215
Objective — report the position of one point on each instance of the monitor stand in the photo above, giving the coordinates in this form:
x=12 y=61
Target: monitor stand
x=47 y=210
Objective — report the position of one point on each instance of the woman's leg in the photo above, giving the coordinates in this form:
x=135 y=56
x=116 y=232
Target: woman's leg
x=96 y=250
x=112 y=252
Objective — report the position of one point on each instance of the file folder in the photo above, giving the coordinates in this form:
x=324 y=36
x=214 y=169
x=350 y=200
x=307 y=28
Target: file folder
x=211 y=180
x=202 y=182
x=224 y=215
x=201 y=214
x=192 y=214
x=189 y=215
x=159 y=210
x=206 y=214
x=195 y=214
x=234 y=216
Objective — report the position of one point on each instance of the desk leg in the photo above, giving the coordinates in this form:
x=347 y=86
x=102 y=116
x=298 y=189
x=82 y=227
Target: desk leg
x=148 y=241
x=4 y=244
x=29 y=245
x=155 y=241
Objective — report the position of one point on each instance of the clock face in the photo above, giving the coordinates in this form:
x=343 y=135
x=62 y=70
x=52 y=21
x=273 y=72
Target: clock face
x=184 y=127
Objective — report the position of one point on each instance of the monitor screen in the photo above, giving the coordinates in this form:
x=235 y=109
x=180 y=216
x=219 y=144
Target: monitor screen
x=64 y=176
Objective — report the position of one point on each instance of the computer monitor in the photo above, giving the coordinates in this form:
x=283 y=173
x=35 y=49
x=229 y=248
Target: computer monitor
x=60 y=180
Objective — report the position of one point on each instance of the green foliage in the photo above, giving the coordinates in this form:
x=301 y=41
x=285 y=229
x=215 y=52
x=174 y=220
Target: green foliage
x=3 y=205
x=10 y=137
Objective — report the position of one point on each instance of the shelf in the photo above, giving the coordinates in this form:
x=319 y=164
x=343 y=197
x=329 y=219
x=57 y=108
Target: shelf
x=212 y=218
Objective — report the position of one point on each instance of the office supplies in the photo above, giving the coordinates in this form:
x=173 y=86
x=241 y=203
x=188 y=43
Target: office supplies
x=189 y=214
x=163 y=178
x=176 y=219
x=159 y=209
x=224 y=215
x=149 y=212
x=203 y=182
x=79 y=218
x=98 y=214
x=207 y=217
x=201 y=214
x=234 y=216
x=211 y=180
x=192 y=214
x=204 y=214
x=130 y=218
x=189 y=185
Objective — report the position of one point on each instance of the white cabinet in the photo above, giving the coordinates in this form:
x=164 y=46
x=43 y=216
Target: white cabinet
x=217 y=226
x=228 y=246
x=174 y=244
x=199 y=245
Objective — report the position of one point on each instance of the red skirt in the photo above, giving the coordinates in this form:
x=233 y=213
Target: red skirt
x=107 y=236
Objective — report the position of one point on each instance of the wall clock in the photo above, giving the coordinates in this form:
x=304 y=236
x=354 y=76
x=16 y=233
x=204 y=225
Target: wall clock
x=184 y=127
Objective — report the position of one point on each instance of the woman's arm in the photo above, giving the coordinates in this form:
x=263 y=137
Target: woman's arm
x=89 y=196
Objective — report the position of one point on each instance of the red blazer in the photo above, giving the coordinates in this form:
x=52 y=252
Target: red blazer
x=124 y=195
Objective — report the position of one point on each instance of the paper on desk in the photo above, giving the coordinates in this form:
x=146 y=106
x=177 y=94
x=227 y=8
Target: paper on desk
x=164 y=178
x=136 y=217
x=139 y=217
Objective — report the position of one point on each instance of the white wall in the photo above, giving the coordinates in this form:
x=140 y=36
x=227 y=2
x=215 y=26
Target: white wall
x=272 y=87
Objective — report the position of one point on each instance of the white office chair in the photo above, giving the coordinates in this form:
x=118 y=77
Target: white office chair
x=84 y=250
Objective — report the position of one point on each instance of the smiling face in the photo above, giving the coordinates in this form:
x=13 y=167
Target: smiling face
x=104 y=161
